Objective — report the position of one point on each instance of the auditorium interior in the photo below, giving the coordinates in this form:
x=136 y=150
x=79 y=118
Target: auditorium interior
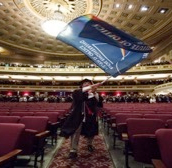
x=39 y=72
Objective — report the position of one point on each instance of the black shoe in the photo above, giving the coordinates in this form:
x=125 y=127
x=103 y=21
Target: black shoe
x=90 y=148
x=72 y=155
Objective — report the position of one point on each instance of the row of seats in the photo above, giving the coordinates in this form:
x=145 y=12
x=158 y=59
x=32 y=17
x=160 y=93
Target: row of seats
x=10 y=135
x=27 y=137
x=35 y=105
x=134 y=107
x=54 y=120
x=139 y=135
x=141 y=141
x=118 y=119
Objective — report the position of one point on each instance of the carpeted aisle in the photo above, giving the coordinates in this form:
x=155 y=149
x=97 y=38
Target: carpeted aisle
x=100 y=158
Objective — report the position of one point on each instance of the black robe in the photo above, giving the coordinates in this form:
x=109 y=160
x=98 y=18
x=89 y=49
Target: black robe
x=90 y=127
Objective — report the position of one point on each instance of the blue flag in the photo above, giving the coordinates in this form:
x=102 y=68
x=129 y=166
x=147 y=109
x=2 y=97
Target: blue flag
x=113 y=50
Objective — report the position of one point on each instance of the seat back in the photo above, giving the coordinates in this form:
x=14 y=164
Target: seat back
x=38 y=123
x=169 y=123
x=143 y=126
x=53 y=116
x=9 y=119
x=141 y=134
x=163 y=117
x=122 y=117
x=22 y=114
x=164 y=137
x=10 y=134
x=4 y=113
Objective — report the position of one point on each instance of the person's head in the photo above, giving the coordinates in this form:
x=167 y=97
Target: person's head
x=85 y=82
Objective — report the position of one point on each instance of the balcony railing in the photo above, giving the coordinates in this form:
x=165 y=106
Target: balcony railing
x=71 y=88
x=72 y=70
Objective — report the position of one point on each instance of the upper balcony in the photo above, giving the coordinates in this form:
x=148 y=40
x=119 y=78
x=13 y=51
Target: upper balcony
x=78 y=71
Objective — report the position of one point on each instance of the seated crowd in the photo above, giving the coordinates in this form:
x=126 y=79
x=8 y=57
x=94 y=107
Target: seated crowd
x=126 y=98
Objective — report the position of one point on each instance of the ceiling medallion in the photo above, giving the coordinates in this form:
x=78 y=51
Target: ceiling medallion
x=65 y=10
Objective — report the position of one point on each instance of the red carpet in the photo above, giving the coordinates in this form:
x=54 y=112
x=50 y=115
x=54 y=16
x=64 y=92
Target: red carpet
x=100 y=158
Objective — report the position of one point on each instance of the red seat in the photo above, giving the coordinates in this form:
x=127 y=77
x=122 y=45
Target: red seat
x=35 y=135
x=10 y=135
x=21 y=114
x=169 y=123
x=120 y=126
x=4 y=113
x=53 y=123
x=164 y=138
x=141 y=139
x=9 y=119
x=163 y=117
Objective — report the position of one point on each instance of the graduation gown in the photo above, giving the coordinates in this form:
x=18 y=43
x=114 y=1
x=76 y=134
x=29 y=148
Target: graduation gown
x=80 y=113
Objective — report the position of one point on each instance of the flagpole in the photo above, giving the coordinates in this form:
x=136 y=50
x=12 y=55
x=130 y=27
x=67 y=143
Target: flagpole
x=106 y=80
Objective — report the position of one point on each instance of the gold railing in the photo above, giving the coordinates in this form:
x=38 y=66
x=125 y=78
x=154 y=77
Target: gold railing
x=72 y=70
x=71 y=88
x=164 y=87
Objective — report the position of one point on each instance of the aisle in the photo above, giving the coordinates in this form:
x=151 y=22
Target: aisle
x=100 y=158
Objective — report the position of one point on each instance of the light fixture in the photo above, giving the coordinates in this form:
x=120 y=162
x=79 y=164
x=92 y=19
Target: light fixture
x=130 y=6
x=163 y=10
x=117 y=5
x=53 y=27
x=144 y=8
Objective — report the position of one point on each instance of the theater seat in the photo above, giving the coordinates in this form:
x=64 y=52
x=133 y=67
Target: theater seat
x=9 y=138
x=9 y=119
x=121 y=126
x=169 y=123
x=53 y=123
x=164 y=138
x=35 y=135
x=141 y=139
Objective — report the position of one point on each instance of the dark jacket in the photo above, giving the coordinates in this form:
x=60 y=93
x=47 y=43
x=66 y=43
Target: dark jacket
x=77 y=115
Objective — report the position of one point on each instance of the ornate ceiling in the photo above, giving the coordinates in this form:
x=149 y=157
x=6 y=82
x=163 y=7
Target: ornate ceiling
x=25 y=41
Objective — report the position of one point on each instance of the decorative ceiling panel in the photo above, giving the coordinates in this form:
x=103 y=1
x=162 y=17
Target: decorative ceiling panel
x=21 y=32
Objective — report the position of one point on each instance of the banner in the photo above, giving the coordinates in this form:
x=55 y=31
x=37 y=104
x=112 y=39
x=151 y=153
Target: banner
x=113 y=50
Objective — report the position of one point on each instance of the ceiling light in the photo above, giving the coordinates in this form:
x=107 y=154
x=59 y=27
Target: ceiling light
x=53 y=27
x=163 y=10
x=1 y=4
x=117 y=5
x=130 y=6
x=144 y=8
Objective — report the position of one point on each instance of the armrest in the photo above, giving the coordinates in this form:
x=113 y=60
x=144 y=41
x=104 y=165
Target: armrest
x=122 y=128
x=158 y=163
x=55 y=124
x=9 y=156
x=144 y=136
x=113 y=119
x=42 y=134
x=125 y=137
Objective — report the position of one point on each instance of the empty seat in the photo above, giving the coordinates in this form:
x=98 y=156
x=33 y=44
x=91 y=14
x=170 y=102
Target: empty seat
x=10 y=135
x=121 y=124
x=21 y=114
x=163 y=117
x=4 y=113
x=53 y=123
x=35 y=135
x=169 y=123
x=141 y=139
x=164 y=138
x=9 y=119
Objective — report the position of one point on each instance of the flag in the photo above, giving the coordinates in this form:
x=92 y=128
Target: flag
x=111 y=49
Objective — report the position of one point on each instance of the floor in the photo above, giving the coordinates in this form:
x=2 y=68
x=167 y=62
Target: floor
x=116 y=154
